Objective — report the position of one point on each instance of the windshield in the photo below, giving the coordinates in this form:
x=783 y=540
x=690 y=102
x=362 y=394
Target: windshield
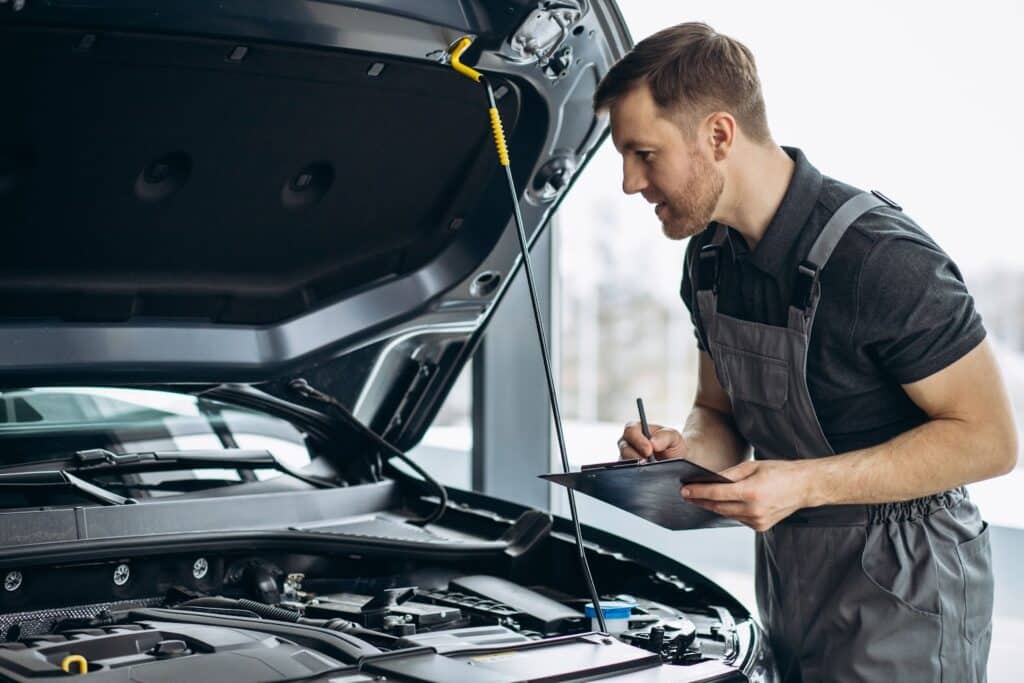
x=41 y=424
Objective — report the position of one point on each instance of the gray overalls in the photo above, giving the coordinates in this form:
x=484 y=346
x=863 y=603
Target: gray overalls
x=894 y=592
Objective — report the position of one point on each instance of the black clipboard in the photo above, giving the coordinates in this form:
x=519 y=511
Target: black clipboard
x=648 y=490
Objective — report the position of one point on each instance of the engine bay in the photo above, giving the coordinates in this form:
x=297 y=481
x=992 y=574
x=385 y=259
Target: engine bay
x=288 y=617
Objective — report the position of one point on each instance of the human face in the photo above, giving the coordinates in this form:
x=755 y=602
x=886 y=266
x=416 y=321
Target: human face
x=662 y=164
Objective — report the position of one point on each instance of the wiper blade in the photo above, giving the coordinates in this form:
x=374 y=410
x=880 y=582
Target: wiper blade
x=102 y=461
x=50 y=479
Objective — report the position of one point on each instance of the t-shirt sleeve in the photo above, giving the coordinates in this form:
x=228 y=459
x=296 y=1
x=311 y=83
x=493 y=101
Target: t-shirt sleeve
x=686 y=291
x=915 y=315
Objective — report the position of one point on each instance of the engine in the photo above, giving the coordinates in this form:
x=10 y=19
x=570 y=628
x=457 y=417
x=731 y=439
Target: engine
x=249 y=619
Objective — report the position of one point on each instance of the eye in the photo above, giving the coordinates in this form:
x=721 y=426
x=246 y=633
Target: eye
x=645 y=155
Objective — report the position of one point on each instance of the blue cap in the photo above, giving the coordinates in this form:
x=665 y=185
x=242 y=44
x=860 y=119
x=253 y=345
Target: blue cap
x=612 y=609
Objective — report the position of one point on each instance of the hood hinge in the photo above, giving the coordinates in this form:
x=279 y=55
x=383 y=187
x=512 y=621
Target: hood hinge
x=542 y=34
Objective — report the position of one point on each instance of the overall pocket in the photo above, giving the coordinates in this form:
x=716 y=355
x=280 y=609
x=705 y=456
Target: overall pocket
x=758 y=388
x=975 y=558
x=751 y=377
x=886 y=625
x=897 y=561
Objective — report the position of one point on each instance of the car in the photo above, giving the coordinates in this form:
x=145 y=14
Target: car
x=247 y=249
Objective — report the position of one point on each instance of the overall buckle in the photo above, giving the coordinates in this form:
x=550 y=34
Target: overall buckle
x=887 y=200
x=803 y=287
x=707 y=268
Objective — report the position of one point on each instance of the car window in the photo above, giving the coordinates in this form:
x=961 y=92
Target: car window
x=69 y=405
x=38 y=424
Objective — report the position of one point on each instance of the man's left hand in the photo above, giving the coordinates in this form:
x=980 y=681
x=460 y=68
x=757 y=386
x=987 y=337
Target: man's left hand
x=764 y=493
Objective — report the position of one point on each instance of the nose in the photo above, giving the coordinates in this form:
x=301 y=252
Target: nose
x=633 y=179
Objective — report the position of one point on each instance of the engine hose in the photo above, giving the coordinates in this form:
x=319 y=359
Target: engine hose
x=262 y=609
x=352 y=628
x=281 y=614
x=304 y=388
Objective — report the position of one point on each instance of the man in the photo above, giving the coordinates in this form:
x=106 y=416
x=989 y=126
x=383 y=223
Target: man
x=840 y=343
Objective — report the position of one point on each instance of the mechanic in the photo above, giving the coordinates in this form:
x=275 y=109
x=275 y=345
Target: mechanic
x=840 y=343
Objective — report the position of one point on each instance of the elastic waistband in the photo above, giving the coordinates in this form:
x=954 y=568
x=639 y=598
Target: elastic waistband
x=865 y=515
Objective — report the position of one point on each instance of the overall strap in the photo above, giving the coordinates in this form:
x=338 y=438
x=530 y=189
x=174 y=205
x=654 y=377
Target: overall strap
x=704 y=279
x=707 y=261
x=805 y=289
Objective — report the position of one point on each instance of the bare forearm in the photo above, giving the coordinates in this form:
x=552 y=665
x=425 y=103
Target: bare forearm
x=970 y=436
x=939 y=455
x=712 y=439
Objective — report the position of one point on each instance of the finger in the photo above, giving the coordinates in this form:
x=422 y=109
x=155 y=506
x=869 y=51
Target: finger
x=627 y=452
x=718 y=492
x=634 y=427
x=665 y=439
x=726 y=509
x=634 y=436
x=741 y=471
x=731 y=510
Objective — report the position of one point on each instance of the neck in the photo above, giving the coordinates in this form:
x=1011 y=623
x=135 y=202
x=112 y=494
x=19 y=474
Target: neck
x=758 y=181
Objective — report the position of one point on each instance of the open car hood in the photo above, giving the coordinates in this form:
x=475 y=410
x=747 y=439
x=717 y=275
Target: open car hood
x=198 y=192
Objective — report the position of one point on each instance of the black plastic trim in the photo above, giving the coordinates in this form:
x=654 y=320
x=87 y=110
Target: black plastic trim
x=265 y=511
x=249 y=541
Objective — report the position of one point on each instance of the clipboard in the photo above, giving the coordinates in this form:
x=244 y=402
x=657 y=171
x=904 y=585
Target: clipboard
x=648 y=490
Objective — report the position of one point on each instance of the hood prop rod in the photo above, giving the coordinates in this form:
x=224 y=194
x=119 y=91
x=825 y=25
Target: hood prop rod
x=501 y=145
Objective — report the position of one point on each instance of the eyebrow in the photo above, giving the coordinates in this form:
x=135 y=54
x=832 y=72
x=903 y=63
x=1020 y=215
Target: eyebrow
x=631 y=145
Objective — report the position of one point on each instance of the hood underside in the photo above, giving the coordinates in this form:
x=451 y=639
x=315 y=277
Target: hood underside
x=246 y=192
x=159 y=180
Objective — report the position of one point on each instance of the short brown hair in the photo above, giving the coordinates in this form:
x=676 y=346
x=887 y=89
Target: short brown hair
x=692 y=70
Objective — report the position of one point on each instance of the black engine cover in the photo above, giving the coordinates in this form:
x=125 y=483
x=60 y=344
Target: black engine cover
x=158 y=651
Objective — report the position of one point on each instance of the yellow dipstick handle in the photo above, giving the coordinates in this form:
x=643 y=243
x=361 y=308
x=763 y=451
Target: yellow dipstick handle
x=499 y=135
x=457 y=51
x=83 y=666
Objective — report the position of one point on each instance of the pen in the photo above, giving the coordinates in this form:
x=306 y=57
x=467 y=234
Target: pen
x=643 y=425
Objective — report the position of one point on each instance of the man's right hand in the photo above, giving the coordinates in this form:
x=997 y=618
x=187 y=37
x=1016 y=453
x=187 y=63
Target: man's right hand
x=664 y=443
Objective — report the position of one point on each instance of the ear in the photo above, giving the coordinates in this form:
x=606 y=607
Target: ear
x=719 y=130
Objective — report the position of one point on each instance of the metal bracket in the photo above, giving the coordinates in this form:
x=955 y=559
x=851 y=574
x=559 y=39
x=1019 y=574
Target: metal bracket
x=542 y=34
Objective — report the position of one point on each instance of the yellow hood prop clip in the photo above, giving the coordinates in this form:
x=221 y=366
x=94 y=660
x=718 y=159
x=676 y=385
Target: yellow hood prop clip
x=497 y=129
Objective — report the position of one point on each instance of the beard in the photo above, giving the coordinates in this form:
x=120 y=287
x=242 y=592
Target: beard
x=688 y=211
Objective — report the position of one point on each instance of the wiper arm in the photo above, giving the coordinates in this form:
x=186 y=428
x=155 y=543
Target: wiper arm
x=102 y=461
x=50 y=479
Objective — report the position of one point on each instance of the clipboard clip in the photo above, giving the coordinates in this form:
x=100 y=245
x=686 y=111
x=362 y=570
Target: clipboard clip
x=617 y=465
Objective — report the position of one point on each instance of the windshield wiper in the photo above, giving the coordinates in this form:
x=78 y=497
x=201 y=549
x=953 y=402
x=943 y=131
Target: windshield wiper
x=102 y=461
x=51 y=479
x=29 y=476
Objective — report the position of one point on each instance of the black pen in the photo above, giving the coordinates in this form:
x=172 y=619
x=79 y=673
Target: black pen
x=643 y=425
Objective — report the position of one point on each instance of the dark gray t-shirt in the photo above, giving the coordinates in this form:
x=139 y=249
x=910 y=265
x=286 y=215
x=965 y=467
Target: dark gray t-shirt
x=894 y=308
